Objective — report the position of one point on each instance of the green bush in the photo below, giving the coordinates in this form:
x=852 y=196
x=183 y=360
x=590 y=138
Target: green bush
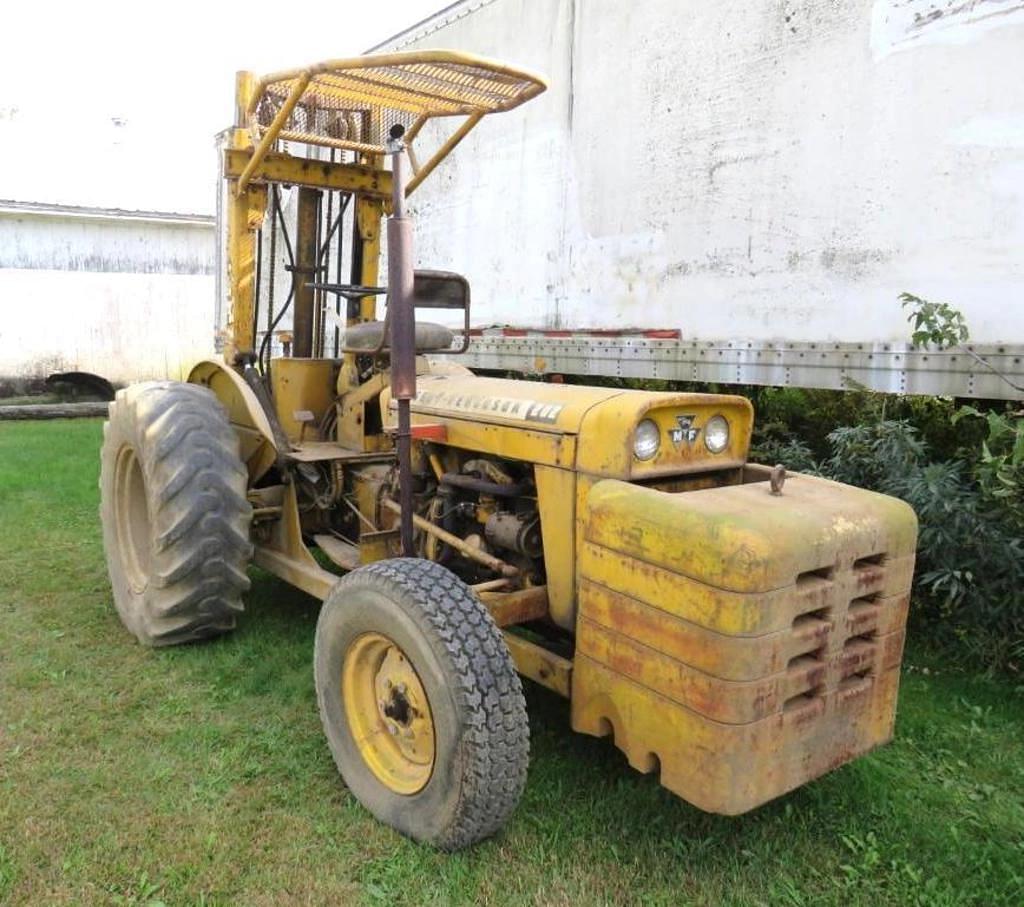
x=970 y=572
x=1000 y=467
x=793 y=453
x=812 y=415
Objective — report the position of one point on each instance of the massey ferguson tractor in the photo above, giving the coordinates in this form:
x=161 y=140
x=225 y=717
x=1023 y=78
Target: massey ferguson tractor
x=736 y=632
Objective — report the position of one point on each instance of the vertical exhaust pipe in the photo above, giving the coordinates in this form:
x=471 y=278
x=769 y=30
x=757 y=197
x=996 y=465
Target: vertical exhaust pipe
x=402 y=320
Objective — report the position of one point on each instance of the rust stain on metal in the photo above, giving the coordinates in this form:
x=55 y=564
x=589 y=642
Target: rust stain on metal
x=510 y=608
x=693 y=653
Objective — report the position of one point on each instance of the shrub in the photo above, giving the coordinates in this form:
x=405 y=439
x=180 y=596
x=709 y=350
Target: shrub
x=1000 y=466
x=793 y=453
x=970 y=570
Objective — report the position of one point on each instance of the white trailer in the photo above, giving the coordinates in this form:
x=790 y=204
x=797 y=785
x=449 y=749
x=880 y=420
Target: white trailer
x=740 y=191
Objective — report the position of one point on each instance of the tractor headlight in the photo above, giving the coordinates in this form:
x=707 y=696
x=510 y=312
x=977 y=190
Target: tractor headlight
x=646 y=440
x=716 y=434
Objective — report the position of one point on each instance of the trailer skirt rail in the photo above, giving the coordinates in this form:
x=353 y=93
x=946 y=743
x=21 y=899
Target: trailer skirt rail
x=886 y=367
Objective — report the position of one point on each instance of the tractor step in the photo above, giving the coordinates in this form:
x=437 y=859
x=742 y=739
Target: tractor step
x=315 y=451
x=341 y=553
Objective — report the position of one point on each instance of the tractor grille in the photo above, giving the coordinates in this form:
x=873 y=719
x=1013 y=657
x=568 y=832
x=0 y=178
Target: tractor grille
x=835 y=633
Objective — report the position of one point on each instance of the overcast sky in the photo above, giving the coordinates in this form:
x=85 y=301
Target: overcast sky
x=115 y=104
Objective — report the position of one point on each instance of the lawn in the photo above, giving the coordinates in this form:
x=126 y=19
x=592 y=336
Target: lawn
x=199 y=775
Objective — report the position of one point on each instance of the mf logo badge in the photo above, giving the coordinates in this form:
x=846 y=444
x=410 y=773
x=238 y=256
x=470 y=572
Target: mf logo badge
x=686 y=432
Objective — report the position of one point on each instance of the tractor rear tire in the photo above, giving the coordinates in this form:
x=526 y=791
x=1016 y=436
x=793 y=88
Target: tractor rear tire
x=174 y=511
x=421 y=703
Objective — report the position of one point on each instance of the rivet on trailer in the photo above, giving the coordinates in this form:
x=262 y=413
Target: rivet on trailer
x=737 y=636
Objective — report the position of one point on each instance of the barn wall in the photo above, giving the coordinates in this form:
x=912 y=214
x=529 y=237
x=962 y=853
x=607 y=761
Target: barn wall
x=127 y=295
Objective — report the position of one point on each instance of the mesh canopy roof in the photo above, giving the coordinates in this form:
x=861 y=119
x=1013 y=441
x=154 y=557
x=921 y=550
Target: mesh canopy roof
x=354 y=103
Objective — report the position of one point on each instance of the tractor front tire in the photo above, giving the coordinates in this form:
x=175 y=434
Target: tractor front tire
x=420 y=701
x=174 y=511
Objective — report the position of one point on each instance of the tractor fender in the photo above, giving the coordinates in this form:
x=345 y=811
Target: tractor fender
x=255 y=435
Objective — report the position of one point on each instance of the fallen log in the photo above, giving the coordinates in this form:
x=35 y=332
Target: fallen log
x=89 y=410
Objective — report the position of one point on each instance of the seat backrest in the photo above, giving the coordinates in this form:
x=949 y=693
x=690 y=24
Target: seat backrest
x=443 y=290
x=440 y=290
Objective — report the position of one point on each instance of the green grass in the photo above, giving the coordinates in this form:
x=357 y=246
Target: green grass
x=199 y=775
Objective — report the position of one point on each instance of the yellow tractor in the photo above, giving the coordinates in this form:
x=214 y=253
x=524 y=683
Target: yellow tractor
x=733 y=631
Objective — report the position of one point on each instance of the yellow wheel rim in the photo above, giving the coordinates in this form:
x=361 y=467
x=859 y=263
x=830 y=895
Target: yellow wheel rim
x=131 y=514
x=388 y=713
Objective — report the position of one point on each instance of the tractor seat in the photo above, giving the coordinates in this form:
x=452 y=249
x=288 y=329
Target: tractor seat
x=430 y=337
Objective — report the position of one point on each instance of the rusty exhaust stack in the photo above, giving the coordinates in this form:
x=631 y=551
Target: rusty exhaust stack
x=402 y=318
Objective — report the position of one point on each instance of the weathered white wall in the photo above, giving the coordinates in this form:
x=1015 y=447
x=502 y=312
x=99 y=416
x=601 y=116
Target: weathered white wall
x=126 y=297
x=768 y=170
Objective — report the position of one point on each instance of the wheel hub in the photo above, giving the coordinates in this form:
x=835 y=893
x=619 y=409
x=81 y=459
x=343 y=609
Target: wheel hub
x=388 y=713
